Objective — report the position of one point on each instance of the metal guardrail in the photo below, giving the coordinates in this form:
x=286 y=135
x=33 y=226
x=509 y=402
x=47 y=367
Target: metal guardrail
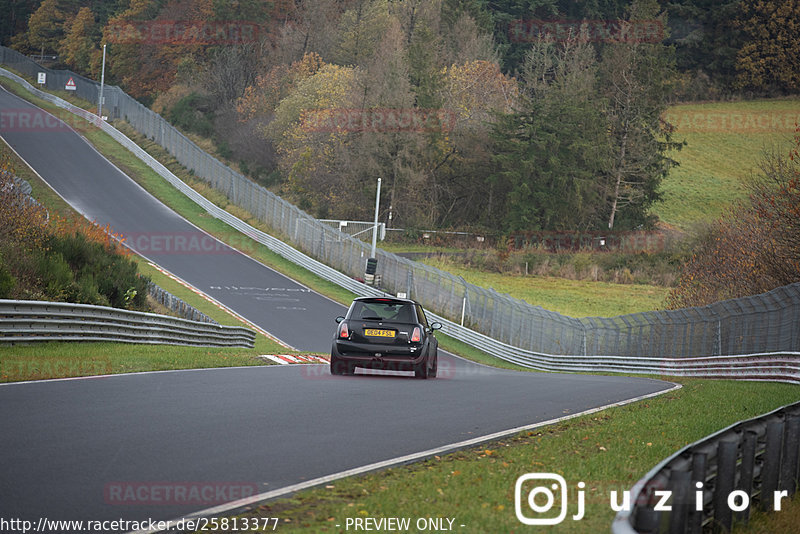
x=25 y=321
x=177 y=305
x=772 y=366
x=718 y=480
x=664 y=338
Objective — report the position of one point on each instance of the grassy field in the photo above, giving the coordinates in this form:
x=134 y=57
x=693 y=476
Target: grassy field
x=576 y=298
x=725 y=141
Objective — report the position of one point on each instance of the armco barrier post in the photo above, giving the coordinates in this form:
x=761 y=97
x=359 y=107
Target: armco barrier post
x=646 y=519
x=726 y=477
x=791 y=443
x=699 y=463
x=679 y=482
x=747 y=470
x=770 y=472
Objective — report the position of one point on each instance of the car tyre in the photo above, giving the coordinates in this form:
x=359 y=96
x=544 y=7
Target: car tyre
x=435 y=367
x=421 y=369
x=338 y=367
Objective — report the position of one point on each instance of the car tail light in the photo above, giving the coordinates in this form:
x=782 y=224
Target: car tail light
x=344 y=333
x=416 y=335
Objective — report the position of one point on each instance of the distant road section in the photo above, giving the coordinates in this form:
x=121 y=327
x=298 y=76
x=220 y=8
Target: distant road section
x=101 y=192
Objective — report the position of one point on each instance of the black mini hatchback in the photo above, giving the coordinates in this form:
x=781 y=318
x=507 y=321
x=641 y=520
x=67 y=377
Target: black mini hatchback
x=385 y=333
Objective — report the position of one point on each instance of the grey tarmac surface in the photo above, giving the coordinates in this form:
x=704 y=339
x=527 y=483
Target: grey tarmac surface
x=124 y=447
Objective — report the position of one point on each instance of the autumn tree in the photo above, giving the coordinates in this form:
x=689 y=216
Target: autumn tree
x=153 y=44
x=775 y=198
x=463 y=40
x=263 y=96
x=306 y=133
x=770 y=56
x=311 y=27
x=392 y=60
x=361 y=28
x=472 y=94
x=46 y=26
x=79 y=48
x=127 y=56
x=226 y=69
x=229 y=70
x=395 y=155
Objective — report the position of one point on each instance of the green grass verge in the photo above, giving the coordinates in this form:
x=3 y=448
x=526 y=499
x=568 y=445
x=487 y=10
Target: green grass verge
x=608 y=450
x=47 y=360
x=771 y=523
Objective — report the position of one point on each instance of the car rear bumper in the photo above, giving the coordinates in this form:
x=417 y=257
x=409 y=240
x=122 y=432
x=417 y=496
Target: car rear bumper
x=376 y=356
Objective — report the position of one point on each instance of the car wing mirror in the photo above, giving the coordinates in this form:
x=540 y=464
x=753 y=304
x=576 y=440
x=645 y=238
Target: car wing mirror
x=339 y=319
x=436 y=326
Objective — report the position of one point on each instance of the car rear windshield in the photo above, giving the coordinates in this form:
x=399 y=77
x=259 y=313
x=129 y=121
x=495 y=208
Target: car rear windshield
x=377 y=310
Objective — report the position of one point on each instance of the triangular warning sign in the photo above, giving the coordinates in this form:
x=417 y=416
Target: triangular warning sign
x=70 y=84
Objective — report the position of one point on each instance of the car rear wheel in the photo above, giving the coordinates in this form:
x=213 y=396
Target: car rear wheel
x=421 y=369
x=434 y=367
x=338 y=367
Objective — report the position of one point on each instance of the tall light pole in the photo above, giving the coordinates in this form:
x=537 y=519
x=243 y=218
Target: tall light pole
x=375 y=229
x=372 y=262
x=102 y=82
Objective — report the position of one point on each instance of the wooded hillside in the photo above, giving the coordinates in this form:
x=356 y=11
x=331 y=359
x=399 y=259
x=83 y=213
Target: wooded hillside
x=502 y=116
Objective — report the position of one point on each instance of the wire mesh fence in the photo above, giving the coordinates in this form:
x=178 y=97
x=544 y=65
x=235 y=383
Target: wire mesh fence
x=759 y=324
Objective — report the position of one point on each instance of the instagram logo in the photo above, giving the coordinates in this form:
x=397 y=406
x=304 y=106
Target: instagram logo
x=540 y=499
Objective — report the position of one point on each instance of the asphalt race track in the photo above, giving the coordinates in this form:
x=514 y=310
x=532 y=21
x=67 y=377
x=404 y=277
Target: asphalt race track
x=162 y=445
